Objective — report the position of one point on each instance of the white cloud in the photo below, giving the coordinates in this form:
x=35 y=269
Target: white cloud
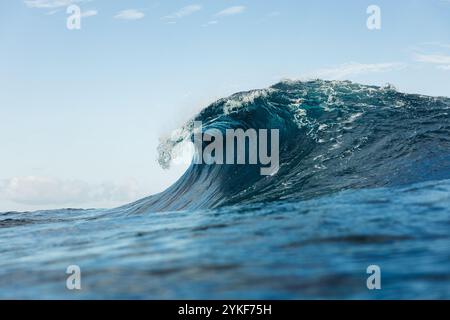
x=438 y=58
x=38 y=190
x=209 y=23
x=437 y=44
x=230 y=11
x=354 y=68
x=274 y=14
x=444 y=67
x=52 y=12
x=183 y=12
x=51 y=4
x=433 y=58
x=56 y=5
x=130 y=14
x=89 y=13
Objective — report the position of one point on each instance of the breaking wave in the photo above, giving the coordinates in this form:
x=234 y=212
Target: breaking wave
x=334 y=135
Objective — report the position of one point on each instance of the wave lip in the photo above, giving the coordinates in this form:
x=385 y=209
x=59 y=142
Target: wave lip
x=334 y=135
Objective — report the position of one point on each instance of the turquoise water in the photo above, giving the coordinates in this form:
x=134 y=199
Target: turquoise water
x=312 y=249
x=364 y=180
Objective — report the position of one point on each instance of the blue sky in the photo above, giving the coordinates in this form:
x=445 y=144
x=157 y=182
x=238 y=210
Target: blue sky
x=81 y=111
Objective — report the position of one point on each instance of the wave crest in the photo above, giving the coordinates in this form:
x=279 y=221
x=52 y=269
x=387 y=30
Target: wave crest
x=334 y=135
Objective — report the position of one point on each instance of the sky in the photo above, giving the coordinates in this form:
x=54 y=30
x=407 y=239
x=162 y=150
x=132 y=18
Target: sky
x=82 y=110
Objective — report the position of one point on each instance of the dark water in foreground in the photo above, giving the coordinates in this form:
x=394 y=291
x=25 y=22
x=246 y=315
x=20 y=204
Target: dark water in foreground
x=364 y=179
x=317 y=248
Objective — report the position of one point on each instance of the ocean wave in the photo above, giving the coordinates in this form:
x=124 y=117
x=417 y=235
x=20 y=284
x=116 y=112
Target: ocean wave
x=334 y=135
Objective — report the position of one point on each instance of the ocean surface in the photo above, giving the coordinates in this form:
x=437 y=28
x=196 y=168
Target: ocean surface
x=364 y=180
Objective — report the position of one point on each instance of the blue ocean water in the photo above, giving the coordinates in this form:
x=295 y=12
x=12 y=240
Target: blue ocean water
x=364 y=180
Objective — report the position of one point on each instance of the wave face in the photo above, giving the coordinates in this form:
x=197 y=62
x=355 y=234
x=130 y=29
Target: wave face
x=286 y=236
x=333 y=136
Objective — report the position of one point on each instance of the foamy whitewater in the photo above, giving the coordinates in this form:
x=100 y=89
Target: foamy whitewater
x=364 y=179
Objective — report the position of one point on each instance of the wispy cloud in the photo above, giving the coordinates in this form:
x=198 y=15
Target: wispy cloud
x=130 y=14
x=209 y=23
x=274 y=14
x=433 y=58
x=183 y=12
x=442 y=61
x=434 y=53
x=89 y=13
x=52 y=12
x=40 y=190
x=56 y=6
x=51 y=4
x=444 y=67
x=346 y=70
x=230 y=11
x=437 y=43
